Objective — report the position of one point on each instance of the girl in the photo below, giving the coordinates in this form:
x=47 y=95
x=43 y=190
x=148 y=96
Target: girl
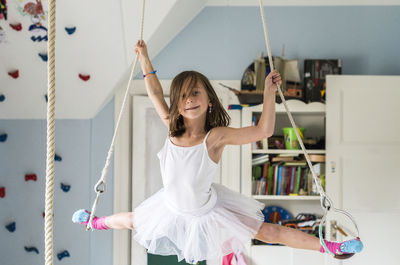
x=191 y=217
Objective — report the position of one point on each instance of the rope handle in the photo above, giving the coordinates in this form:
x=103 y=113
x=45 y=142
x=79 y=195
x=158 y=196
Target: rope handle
x=326 y=202
x=101 y=183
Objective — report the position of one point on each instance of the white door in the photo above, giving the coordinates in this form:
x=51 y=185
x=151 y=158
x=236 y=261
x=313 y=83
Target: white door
x=149 y=134
x=363 y=156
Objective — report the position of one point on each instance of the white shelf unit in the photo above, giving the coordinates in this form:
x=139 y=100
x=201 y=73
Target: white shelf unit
x=310 y=116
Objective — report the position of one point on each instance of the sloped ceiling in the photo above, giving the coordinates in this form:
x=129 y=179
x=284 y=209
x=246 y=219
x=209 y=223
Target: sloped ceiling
x=102 y=47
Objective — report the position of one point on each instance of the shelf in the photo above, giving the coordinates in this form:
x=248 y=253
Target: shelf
x=286 y=198
x=294 y=106
x=283 y=151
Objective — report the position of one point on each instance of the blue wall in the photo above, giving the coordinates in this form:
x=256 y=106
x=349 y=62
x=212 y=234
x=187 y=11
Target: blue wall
x=83 y=146
x=222 y=41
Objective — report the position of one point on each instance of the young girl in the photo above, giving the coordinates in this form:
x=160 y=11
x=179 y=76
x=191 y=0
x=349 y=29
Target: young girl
x=191 y=217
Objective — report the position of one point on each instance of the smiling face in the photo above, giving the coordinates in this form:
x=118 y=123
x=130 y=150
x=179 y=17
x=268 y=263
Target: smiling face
x=194 y=101
x=191 y=95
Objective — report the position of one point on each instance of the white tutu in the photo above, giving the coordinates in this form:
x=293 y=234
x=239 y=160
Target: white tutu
x=162 y=231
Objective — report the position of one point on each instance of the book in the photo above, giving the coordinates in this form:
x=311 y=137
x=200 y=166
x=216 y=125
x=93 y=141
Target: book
x=259 y=159
x=298 y=175
x=317 y=158
x=270 y=179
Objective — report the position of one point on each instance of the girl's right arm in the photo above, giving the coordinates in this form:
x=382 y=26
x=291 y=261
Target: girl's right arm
x=153 y=86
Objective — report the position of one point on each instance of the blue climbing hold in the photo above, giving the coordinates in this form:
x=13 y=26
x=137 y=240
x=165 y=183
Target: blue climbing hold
x=11 y=227
x=70 y=31
x=2 y=98
x=43 y=56
x=65 y=187
x=31 y=249
x=63 y=254
x=3 y=137
x=57 y=157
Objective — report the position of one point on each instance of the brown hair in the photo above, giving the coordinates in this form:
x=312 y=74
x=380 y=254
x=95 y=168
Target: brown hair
x=184 y=83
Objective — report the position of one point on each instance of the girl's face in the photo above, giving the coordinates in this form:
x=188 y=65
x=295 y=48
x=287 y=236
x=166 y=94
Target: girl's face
x=195 y=105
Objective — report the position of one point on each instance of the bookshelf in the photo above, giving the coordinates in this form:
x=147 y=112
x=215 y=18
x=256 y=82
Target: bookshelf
x=310 y=116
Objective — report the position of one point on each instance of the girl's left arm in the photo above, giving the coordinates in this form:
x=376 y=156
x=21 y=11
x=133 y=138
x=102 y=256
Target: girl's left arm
x=266 y=124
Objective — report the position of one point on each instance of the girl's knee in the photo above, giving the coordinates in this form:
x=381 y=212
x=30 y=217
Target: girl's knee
x=268 y=233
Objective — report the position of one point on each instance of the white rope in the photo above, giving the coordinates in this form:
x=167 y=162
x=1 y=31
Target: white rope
x=324 y=197
x=51 y=91
x=100 y=186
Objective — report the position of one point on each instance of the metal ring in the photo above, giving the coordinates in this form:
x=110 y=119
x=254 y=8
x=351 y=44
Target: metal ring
x=100 y=187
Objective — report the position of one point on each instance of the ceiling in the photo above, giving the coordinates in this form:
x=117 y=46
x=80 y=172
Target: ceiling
x=101 y=46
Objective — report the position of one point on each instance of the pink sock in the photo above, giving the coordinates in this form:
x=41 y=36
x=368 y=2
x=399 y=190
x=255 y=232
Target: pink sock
x=98 y=223
x=332 y=246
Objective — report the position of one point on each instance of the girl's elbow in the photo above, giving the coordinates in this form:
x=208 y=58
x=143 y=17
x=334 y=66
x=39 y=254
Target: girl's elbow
x=268 y=134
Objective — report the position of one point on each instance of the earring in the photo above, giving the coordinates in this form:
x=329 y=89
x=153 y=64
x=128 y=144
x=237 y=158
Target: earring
x=209 y=110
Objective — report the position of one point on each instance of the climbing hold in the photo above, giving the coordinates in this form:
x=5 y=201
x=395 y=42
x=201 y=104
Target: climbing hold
x=31 y=249
x=43 y=56
x=3 y=137
x=57 y=157
x=63 y=254
x=16 y=26
x=11 y=227
x=70 y=31
x=39 y=32
x=2 y=192
x=84 y=77
x=2 y=98
x=14 y=74
x=30 y=177
x=65 y=187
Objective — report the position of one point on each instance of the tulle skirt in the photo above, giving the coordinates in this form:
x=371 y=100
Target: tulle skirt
x=234 y=219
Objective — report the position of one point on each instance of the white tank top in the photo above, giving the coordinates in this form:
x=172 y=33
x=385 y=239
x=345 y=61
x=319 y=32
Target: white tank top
x=187 y=174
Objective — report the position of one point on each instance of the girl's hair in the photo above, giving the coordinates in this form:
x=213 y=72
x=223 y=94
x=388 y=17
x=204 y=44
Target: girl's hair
x=184 y=83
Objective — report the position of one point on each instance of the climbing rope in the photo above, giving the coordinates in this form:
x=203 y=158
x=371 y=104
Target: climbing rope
x=100 y=186
x=51 y=91
x=326 y=202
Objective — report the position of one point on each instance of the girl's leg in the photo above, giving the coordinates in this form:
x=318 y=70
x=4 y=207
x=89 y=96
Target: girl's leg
x=275 y=233
x=122 y=220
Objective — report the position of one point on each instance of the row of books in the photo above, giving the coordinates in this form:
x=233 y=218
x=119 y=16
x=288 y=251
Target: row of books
x=290 y=178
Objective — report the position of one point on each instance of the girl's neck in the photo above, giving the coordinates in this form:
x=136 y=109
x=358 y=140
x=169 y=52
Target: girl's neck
x=194 y=128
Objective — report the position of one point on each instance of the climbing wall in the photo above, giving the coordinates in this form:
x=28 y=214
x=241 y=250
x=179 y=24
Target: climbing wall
x=81 y=147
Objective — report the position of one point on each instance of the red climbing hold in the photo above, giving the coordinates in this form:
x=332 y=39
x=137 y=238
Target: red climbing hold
x=30 y=177
x=2 y=192
x=14 y=74
x=16 y=27
x=84 y=77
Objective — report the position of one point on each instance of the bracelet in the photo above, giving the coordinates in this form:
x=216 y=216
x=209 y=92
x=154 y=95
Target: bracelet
x=153 y=72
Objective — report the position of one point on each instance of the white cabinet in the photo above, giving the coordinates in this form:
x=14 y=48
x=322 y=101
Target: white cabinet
x=362 y=175
x=312 y=117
